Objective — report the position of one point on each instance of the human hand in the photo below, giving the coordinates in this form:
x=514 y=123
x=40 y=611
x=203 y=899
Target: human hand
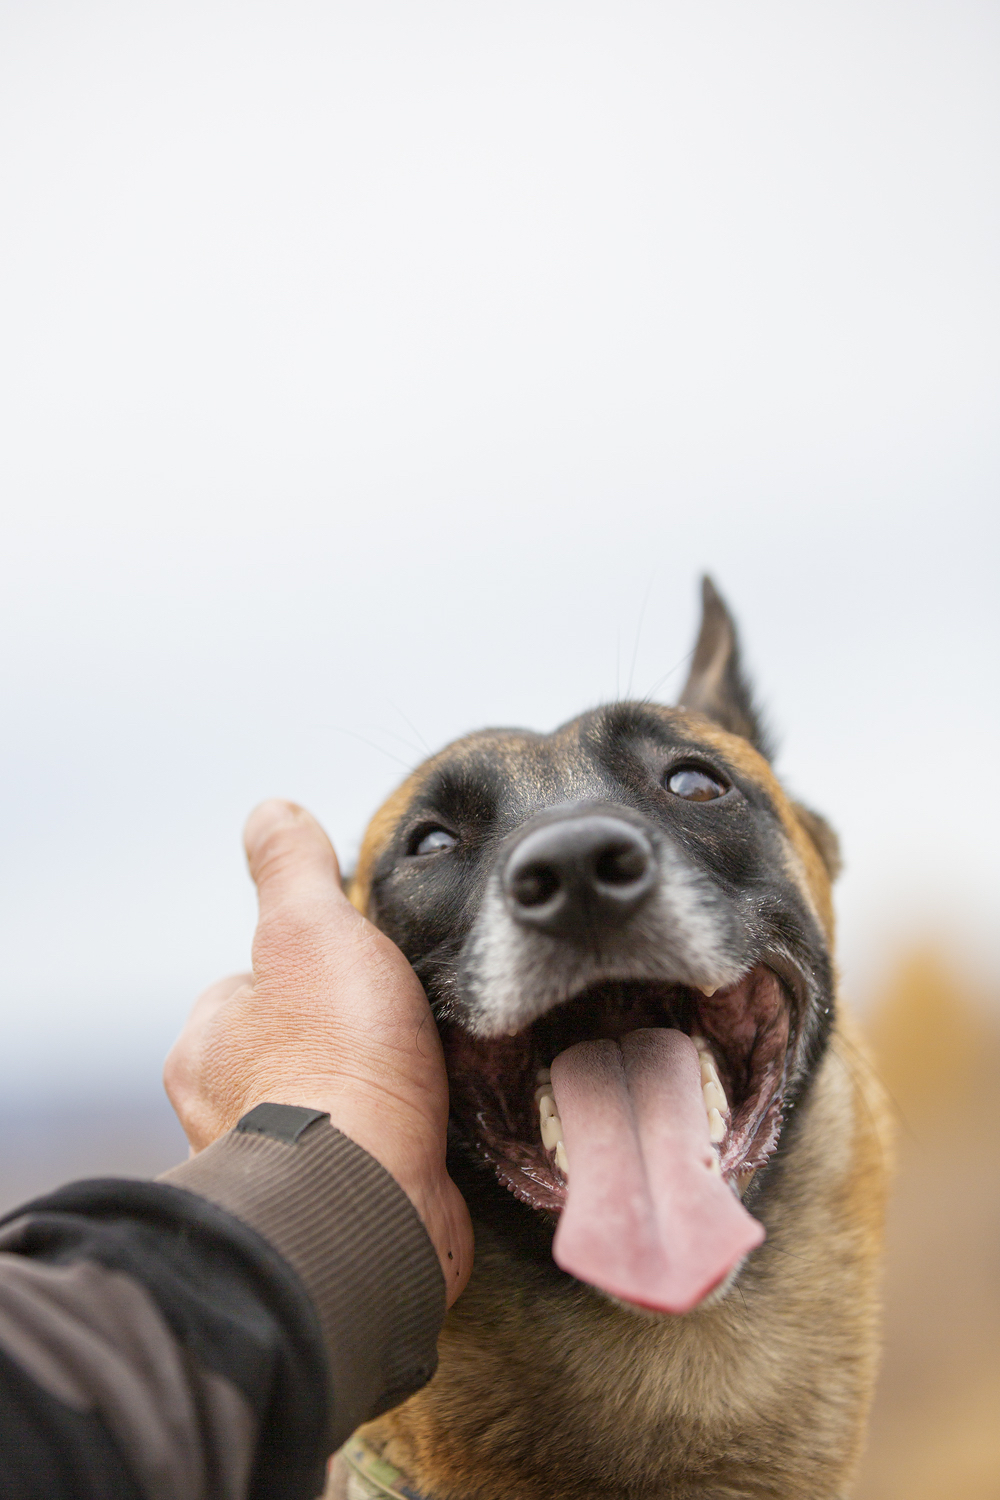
x=332 y=1018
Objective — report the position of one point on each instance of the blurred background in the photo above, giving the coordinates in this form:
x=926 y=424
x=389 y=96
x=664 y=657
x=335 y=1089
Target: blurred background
x=370 y=372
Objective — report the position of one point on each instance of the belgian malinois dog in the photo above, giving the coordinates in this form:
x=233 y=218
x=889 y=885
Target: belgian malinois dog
x=661 y=1118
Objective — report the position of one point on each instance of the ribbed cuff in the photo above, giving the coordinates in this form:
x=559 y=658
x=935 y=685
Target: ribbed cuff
x=355 y=1240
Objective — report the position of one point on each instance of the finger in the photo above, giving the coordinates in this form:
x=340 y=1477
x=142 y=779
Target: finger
x=290 y=857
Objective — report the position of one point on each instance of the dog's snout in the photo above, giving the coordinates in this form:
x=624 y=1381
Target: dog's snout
x=579 y=875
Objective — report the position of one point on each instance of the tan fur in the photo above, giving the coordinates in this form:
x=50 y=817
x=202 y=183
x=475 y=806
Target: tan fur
x=548 y=1391
x=378 y=833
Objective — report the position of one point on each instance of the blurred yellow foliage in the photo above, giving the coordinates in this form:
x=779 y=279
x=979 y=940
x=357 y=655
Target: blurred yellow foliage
x=931 y=1039
x=935 y=1431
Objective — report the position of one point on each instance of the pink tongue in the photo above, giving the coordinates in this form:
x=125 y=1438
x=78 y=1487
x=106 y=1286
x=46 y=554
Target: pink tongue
x=646 y=1218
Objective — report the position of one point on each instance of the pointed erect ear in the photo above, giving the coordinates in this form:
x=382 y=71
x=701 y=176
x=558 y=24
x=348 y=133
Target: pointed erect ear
x=716 y=686
x=822 y=835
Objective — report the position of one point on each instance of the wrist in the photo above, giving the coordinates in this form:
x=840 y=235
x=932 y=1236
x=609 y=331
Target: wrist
x=352 y=1236
x=407 y=1145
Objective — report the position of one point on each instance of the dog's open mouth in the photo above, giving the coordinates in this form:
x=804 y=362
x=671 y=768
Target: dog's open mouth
x=637 y=1111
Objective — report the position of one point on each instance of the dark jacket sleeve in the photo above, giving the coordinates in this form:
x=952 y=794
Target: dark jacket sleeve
x=216 y=1334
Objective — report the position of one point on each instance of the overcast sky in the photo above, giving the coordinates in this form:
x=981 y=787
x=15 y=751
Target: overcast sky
x=375 y=371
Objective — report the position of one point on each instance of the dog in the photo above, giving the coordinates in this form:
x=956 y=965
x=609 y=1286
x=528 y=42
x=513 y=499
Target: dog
x=673 y=1149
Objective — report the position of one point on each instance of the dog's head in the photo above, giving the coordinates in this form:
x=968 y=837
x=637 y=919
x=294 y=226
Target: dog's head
x=624 y=930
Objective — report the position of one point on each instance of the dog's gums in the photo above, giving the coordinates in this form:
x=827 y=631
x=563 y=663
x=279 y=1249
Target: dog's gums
x=501 y=1089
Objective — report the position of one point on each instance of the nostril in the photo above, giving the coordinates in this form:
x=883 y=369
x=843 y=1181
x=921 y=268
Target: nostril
x=534 y=885
x=575 y=876
x=621 y=864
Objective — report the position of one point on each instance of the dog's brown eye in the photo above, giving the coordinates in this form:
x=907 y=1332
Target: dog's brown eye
x=434 y=840
x=694 y=786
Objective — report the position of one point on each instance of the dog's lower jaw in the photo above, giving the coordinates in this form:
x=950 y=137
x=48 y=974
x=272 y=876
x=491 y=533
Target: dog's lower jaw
x=764 y=1393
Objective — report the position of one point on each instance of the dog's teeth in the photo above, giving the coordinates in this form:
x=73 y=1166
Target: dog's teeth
x=716 y=1103
x=706 y=1057
x=714 y=1096
x=544 y=1075
x=551 y=1125
x=743 y=1181
x=708 y=990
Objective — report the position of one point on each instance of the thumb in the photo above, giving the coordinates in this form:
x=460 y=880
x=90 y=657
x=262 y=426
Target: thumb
x=290 y=857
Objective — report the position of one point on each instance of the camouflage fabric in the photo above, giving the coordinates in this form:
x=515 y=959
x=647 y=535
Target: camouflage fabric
x=370 y=1477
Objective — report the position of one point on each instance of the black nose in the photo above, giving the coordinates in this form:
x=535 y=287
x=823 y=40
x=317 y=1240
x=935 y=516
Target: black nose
x=580 y=875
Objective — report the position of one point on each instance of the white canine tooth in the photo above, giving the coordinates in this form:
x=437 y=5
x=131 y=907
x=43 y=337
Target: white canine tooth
x=543 y=1091
x=547 y=1107
x=716 y=1127
x=709 y=1072
x=706 y=1056
x=743 y=1180
x=561 y=1159
x=544 y=1075
x=714 y=1096
x=551 y=1131
x=708 y=990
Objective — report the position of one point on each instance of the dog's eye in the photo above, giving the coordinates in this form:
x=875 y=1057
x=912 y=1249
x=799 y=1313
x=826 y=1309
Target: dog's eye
x=433 y=841
x=694 y=785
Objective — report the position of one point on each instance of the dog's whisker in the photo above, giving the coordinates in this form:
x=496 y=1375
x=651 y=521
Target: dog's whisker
x=410 y=725
x=402 y=738
x=682 y=661
x=408 y=766
x=638 y=632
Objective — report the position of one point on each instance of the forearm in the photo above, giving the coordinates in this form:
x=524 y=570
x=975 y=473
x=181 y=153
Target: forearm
x=219 y=1332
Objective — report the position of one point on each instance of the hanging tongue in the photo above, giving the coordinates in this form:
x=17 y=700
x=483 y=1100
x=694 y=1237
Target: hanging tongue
x=646 y=1217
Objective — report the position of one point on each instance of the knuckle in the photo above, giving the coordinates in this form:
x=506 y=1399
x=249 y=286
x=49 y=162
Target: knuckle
x=176 y=1075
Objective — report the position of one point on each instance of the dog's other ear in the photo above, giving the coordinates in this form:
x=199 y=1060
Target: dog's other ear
x=823 y=837
x=716 y=686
